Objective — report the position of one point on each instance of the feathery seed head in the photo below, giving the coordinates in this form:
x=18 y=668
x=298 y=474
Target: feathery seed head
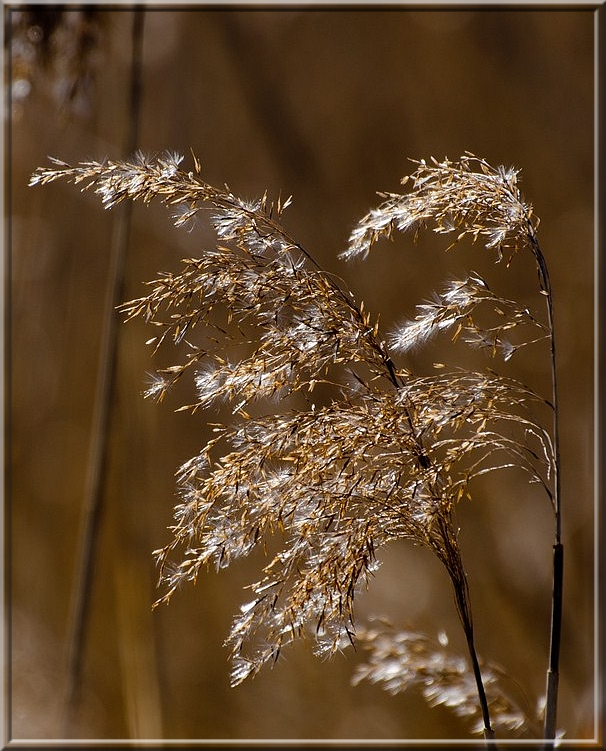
x=387 y=457
x=468 y=196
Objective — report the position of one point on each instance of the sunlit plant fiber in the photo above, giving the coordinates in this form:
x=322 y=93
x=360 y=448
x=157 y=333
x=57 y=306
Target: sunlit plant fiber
x=387 y=458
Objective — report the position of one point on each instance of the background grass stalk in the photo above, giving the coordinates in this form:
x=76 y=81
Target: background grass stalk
x=98 y=450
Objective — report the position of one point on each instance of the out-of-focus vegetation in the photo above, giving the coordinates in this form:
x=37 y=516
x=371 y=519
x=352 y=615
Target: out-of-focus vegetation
x=326 y=105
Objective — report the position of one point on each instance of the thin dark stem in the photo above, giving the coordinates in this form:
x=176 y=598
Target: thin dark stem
x=488 y=731
x=98 y=450
x=450 y=556
x=462 y=599
x=553 y=671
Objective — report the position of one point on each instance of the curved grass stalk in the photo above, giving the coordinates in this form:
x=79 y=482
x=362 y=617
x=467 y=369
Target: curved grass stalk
x=553 y=673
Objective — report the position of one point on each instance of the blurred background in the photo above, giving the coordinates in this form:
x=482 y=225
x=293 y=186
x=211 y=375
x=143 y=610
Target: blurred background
x=328 y=105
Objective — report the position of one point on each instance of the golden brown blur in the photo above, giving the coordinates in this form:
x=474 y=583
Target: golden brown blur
x=327 y=106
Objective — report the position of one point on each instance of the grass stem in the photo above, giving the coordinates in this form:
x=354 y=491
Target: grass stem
x=553 y=671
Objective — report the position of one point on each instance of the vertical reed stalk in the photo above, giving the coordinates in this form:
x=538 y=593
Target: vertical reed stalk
x=553 y=671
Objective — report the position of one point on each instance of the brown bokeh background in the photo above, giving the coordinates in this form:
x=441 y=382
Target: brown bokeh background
x=327 y=105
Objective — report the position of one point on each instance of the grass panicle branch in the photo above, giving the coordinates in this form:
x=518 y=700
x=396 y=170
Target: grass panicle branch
x=380 y=455
x=468 y=197
x=454 y=309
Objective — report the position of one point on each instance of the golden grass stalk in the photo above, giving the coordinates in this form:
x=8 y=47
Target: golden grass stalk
x=388 y=455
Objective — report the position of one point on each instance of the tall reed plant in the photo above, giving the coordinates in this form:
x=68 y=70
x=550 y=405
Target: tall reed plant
x=387 y=456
